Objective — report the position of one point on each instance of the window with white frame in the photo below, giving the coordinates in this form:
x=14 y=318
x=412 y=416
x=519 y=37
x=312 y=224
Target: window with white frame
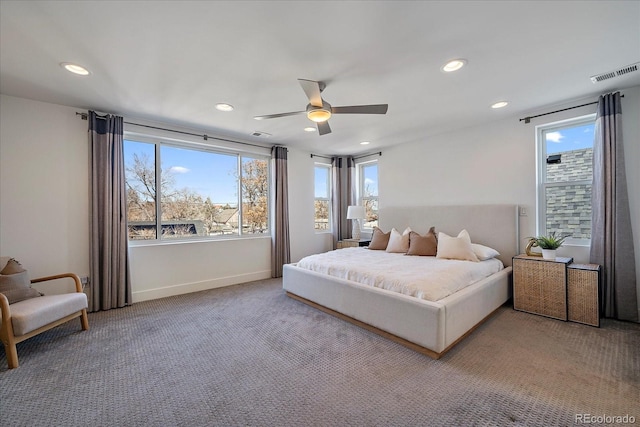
x=195 y=191
x=565 y=175
x=367 y=176
x=322 y=197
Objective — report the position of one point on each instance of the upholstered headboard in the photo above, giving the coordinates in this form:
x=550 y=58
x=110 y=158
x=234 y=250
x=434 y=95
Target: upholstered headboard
x=496 y=226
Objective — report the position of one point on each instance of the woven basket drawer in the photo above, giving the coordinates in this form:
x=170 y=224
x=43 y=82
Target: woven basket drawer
x=582 y=293
x=540 y=287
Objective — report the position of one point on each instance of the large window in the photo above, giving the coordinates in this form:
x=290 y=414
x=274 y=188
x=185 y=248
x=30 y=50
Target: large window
x=196 y=192
x=367 y=175
x=565 y=174
x=322 y=198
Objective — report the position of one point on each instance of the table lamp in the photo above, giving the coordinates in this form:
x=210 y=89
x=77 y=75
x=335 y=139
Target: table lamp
x=355 y=213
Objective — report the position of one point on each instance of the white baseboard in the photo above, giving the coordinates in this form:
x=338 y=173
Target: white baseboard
x=185 y=288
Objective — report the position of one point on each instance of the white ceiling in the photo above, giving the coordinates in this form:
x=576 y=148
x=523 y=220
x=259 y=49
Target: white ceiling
x=172 y=61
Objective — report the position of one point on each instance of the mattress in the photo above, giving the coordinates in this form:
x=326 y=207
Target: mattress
x=423 y=277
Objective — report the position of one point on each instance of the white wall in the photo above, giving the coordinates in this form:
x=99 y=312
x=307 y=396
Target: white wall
x=44 y=190
x=304 y=240
x=496 y=163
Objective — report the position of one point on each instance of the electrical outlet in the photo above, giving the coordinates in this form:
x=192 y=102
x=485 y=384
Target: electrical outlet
x=84 y=280
x=523 y=211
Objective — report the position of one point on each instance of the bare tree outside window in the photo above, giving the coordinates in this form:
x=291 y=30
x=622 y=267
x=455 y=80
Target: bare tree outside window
x=368 y=192
x=255 y=193
x=322 y=198
x=189 y=184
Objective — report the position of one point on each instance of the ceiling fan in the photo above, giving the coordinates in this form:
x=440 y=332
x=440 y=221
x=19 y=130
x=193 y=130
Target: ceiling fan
x=319 y=111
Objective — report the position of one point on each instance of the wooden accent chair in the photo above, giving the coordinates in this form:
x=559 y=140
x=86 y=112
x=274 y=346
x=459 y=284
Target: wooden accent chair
x=25 y=319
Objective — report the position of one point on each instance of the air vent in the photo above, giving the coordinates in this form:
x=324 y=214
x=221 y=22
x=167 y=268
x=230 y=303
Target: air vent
x=261 y=134
x=617 y=73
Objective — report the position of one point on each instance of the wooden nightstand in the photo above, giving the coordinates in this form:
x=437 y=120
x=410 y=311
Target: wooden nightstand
x=540 y=286
x=352 y=243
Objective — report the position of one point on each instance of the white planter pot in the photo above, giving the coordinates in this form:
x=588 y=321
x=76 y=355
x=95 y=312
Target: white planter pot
x=549 y=254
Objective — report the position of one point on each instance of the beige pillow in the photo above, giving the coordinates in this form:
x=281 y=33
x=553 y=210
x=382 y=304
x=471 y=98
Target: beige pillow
x=12 y=267
x=17 y=287
x=3 y=261
x=379 y=239
x=456 y=247
x=426 y=245
x=399 y=243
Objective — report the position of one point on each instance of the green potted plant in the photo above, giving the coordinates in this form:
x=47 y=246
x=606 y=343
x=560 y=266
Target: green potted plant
x=548 y=244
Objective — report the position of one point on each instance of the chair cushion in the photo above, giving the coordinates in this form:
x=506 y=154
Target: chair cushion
x=31 y=314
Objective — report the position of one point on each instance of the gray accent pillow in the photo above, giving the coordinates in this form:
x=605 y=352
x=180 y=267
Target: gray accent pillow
x=17 y=287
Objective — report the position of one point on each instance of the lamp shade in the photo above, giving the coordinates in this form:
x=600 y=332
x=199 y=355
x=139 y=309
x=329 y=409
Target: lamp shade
x=355 y=212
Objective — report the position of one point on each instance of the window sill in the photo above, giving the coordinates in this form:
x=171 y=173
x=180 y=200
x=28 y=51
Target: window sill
x=144 y=243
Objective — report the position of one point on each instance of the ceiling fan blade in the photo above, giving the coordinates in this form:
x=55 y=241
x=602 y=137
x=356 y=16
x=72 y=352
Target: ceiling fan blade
x=275 y=116
x=323 y=128
x=361 y=109
x=312 y=90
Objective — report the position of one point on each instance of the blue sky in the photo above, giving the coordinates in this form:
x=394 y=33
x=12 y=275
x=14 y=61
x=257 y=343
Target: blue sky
x=571 y=138
x=209 y=174
x=322 y=174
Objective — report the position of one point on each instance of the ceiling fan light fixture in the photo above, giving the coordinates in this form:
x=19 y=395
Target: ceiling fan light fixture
x=454 y=65
x=319 y=115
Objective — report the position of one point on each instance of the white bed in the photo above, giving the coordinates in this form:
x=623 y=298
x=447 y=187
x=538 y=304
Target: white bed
x=431 y=327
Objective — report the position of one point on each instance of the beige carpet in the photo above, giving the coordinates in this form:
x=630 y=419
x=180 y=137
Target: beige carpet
x=247 y=355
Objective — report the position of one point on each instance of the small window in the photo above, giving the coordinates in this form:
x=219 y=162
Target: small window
x=368 y=192
x=565 y=175
x=322 y=199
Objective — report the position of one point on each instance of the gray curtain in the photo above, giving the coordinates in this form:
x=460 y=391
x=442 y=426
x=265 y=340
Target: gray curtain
x=344 y=194
x=611 y=235
x=280 y=250
x=110 y=283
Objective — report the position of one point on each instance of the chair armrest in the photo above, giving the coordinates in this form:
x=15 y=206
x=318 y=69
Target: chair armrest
x=6 y=311
x=61 y=276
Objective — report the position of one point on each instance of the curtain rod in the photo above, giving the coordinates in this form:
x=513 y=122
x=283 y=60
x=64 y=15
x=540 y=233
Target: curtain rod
x=205 y=136
x=528 y=118
x=379 y=153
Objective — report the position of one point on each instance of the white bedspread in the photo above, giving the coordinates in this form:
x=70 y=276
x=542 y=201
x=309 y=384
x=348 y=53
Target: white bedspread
x=422 y=277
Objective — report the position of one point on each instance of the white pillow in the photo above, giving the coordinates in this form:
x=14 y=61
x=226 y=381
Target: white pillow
x=484 y=252
x=399 y=243
x=456 y=247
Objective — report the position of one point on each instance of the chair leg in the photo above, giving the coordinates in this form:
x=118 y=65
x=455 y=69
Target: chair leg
x=12 y=355
x=84 y=320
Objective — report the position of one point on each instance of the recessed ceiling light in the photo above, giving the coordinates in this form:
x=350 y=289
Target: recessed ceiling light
x=454 y=65
x=310 y=129
x=499 y=104
x=224 y=107
x=75 y=68
x=365 y=143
